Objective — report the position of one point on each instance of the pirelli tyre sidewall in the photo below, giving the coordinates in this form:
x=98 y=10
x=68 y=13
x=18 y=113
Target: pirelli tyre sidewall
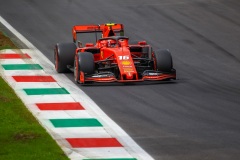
x=64 y=56
x=163 y=61
x=84 y=62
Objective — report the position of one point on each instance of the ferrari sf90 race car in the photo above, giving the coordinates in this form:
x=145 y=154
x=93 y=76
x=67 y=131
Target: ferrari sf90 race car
x=111 y=58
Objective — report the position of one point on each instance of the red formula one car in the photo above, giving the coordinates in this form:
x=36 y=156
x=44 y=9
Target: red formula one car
x=112 y=58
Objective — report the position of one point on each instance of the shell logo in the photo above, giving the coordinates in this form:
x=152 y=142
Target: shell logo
x=126 y=63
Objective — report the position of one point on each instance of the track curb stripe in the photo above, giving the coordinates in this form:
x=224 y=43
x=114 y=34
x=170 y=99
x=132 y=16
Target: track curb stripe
x=34 y=79
x=60 y=106
x=45 y=91
x=86 y=122
x=14 y=56
x=22 y=67
x=111 y=159
x=93 y=142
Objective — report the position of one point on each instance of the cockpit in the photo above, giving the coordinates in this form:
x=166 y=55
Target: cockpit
x=113 y=41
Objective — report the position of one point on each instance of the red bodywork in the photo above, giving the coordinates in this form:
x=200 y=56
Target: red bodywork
x=115 y=52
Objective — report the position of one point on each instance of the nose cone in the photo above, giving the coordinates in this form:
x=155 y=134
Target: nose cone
x=129 y=75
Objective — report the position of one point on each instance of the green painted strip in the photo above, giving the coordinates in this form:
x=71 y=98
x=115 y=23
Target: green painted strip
x=45 y=91
x=76 y=123
x=22 y=66
x=112 y=159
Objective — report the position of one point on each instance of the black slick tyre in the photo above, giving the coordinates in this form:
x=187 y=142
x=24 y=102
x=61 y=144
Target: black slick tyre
x=64 y=56
x=84 y=62
x=163 y=61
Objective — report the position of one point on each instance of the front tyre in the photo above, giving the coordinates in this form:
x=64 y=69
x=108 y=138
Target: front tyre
x=163 y=61
x=84 y=62
x=63 y=56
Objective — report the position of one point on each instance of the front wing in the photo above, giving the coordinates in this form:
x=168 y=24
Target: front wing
x=153 y=76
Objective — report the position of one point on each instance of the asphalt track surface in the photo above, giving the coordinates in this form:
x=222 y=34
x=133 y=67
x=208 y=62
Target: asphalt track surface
x=196 y=117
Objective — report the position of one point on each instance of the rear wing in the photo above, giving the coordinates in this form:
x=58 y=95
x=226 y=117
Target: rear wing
x=104 y=28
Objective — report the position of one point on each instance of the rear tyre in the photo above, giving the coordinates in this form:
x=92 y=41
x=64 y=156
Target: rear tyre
x=84 y=62
x=63 y=56
x=163 y=61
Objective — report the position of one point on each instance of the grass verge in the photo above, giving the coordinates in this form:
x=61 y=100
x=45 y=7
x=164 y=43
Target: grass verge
x=5 y=42
x=21 y=136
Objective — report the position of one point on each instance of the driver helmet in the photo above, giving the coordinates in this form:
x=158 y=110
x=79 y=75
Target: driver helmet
x=111 y=43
